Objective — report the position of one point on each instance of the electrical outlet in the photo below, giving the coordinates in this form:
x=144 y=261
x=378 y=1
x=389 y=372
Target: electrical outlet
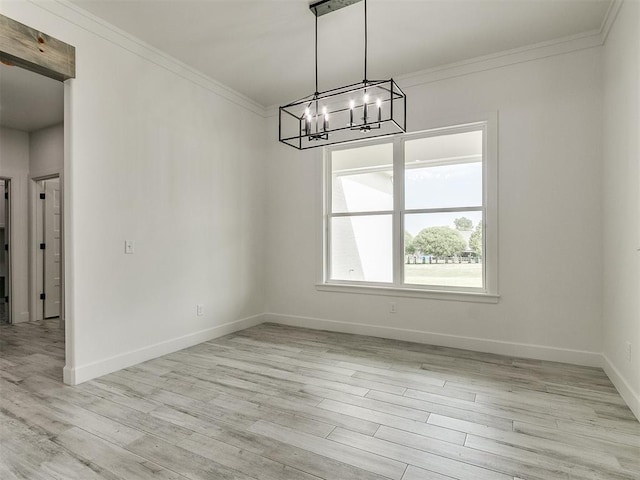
x=129 y=246
x=392 y=307
x=200 y=309
x=627 y=351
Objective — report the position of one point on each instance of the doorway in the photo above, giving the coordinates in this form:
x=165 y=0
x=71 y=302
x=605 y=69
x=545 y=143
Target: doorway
x=36 y=72
x=32 y=159
x=5 y=263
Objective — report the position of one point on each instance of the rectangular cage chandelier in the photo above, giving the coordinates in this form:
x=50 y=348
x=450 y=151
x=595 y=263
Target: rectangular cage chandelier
x=371 y=108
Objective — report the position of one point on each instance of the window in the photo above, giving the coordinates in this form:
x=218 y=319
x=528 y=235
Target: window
x=414 y=214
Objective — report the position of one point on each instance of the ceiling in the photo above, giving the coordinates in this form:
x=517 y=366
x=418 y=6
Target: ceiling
x=29 y=101
x=264 y=48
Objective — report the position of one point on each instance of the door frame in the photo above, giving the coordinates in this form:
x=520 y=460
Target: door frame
x=8 y=221
x=34 y=244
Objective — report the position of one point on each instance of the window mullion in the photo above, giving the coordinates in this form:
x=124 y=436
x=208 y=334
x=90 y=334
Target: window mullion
x=398 y=207
x=361 y=214
x=444 y=210
x=326 y=218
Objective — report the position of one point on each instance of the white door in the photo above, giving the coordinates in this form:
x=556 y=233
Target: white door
x=52 y=241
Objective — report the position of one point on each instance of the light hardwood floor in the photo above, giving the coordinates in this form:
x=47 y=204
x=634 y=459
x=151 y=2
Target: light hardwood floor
x=281 y=403
x=4 y=317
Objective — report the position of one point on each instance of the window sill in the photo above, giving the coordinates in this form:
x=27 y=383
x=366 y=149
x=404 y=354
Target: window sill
x=454 y=296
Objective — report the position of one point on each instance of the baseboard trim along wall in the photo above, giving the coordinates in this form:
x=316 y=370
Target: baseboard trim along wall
x=83 y=373
x=624 y=389
x=525 y=350
x=22 y=317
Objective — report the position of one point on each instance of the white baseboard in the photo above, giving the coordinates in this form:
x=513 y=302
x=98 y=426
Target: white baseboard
x=538 y=352
x=626 y=392
x=22 y=317
x=83 y=373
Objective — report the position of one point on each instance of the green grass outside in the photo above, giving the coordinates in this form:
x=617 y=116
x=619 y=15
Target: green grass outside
x=445 y=274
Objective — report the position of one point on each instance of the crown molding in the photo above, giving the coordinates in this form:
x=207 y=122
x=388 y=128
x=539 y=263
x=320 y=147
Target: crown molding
x=101 y=28
x=502 y=59
x=536 y=51
x=609 y=19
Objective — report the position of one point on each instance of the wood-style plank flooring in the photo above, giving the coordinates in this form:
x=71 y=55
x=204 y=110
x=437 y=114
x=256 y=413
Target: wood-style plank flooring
x=281 y=403
x=4 y=314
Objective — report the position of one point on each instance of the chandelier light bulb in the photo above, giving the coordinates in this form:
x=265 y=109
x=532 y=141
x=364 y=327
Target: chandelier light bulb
x=307 y=123
x=365 y=99
x=352 y=104
x=379 y=103
x=325 y=119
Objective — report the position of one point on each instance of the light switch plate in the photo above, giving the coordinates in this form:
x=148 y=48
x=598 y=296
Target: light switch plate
x=129 y=246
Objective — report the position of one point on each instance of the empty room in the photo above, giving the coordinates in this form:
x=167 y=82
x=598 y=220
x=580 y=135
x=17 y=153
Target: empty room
x=332 y=239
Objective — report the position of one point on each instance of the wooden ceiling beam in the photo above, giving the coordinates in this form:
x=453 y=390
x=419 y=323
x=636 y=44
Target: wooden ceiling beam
x=36 y=51
x=327 y=6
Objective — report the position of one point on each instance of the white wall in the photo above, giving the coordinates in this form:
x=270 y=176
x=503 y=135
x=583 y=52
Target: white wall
x=158 y=154
x=46 y=150
x=549 y=220
x=621 y=203
x=14 y=163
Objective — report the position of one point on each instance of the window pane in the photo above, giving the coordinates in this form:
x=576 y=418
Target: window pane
x=444 y=171
x=362 y=179
x=361 y=248
x=443 y=249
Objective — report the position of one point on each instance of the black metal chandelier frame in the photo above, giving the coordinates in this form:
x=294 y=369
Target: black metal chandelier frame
x=367 y=109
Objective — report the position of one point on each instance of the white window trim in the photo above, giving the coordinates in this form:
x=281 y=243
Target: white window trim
x=488 y=294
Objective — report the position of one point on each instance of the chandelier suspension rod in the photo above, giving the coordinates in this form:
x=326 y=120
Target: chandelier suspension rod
x=316 y=15
x=365 y=40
